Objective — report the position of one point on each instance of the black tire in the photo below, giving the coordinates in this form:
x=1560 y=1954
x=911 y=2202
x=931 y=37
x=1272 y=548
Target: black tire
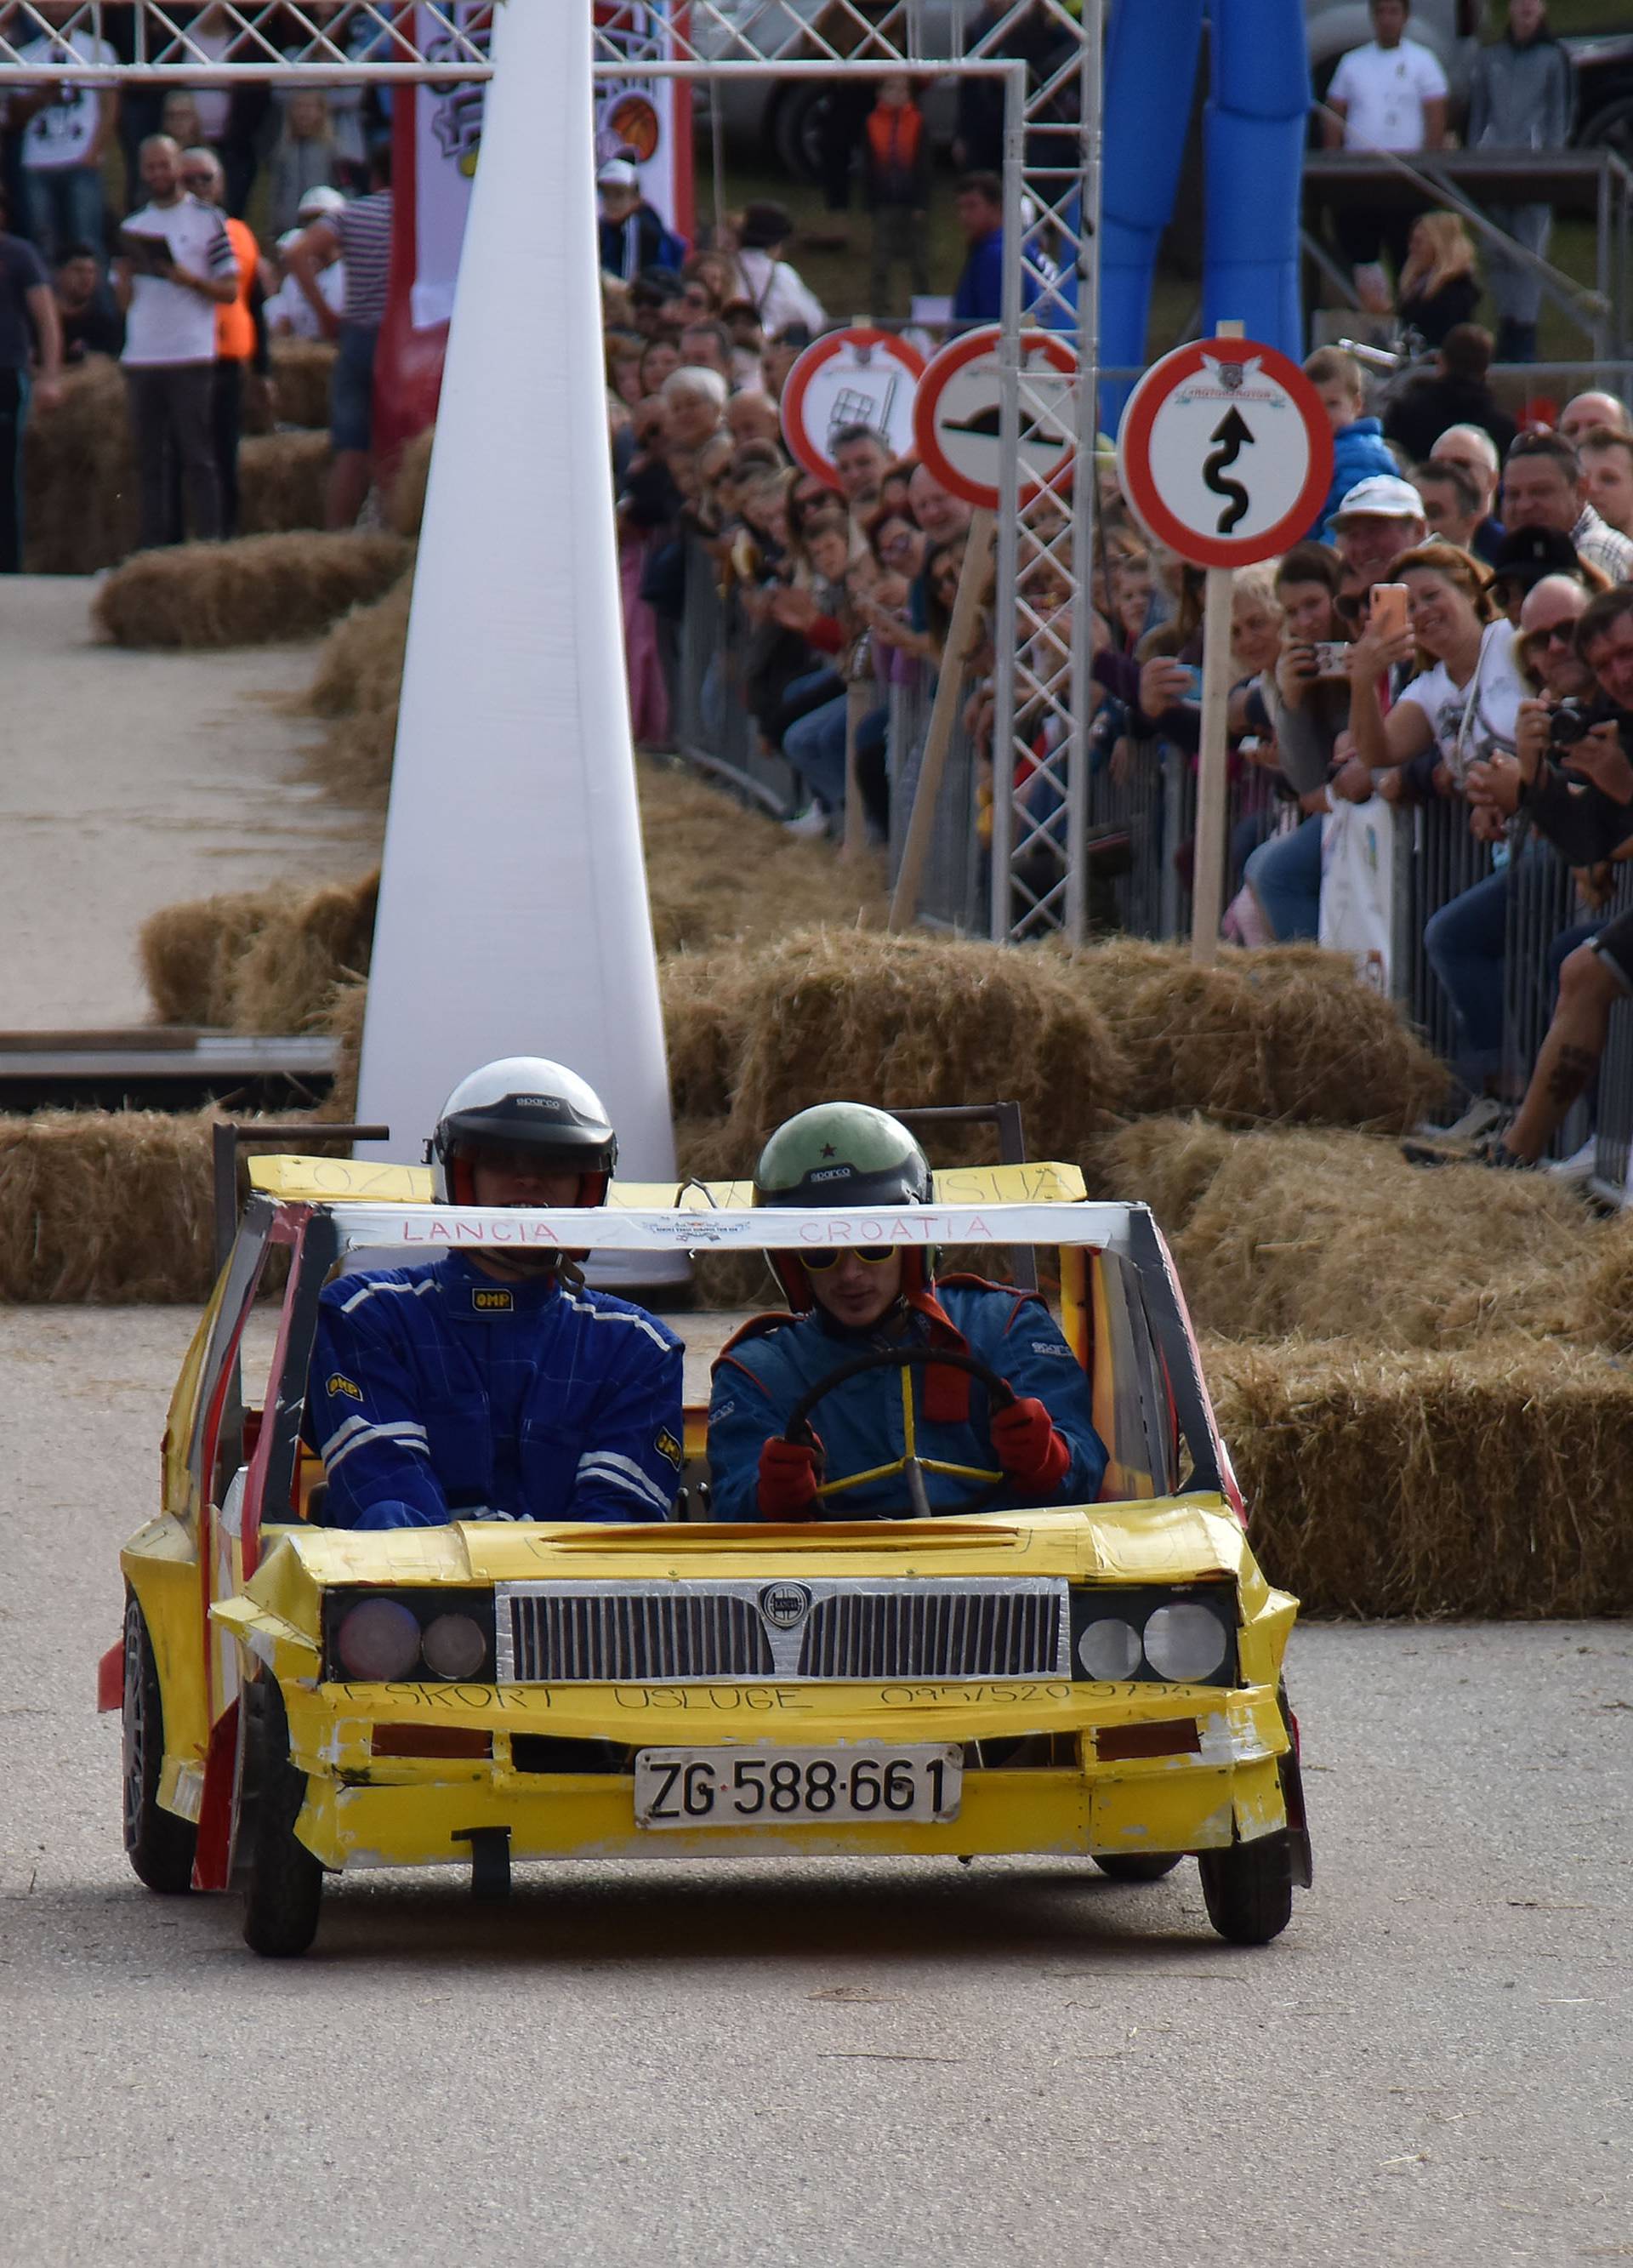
x=1610 y=128
x=1138 y=1866
x=797 y=129
x=283 y=1881
x=158 y=1844
x=1248 y=1890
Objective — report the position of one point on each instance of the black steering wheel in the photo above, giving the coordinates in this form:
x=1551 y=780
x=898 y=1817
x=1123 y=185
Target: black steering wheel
x=911 y=1465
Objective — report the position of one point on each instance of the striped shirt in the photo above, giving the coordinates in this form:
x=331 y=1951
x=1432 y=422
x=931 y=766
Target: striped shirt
x=363 y=232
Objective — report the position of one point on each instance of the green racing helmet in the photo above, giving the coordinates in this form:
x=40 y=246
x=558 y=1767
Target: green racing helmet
x=841 y=1154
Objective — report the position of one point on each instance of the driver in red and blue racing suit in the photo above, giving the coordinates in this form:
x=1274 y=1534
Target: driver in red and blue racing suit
x=1041 y=1449
x=498 y=1387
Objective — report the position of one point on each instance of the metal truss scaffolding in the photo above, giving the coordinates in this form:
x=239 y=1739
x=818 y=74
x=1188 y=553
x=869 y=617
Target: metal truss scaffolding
x=1046 y=54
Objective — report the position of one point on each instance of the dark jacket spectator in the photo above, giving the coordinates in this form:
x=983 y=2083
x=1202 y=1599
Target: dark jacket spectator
x=1455 y=394
x=631 y=237
x=1521 y=96
x=1438 y=287
x=91 y=323
x=979 y=298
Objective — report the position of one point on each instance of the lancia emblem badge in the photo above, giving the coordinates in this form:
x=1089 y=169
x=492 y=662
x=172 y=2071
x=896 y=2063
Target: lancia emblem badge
x=785 y=1605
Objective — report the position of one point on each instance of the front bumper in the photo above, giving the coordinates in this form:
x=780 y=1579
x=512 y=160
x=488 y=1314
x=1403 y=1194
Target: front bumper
x=365 y=1809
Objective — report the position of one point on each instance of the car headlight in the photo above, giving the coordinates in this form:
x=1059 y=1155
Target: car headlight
x=385 y=1636
x=1110 y=1649
x=1155 y=1633
x=1185 y=1642
x=377 y=1640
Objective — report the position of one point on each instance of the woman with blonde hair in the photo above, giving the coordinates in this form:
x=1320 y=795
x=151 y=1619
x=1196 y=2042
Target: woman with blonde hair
x=1439 y=286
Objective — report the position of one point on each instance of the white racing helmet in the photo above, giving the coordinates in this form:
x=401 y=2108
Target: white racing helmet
x=527 y=1103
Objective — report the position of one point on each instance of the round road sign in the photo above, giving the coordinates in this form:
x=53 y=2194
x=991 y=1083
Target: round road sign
x=850 y=378
x=1225 y=453
x=956 y=417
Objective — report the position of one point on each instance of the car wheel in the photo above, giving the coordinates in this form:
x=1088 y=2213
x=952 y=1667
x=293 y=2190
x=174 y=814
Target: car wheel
x=1248 y=1890
x=158 y=1844
x=1611 y=129
x=1138 y=1866
x=797 y=130
x=283 y=1881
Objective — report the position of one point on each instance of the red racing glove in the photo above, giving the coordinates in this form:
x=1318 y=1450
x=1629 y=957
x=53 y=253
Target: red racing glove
x=1029 y=1448
x=788 y=1479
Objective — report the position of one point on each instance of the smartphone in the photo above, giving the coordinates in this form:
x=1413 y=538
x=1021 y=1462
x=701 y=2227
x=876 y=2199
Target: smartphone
x=1195 y=675
x=1389 y=609
x=1331 y=657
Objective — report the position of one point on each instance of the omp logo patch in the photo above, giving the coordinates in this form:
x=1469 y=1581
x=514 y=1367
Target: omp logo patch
x=1049 y=1347
x=493 y=1303
x=668 y=1447
x=346 y=1386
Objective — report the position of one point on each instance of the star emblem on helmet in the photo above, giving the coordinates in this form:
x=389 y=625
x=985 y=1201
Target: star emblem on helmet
x=828 y=1149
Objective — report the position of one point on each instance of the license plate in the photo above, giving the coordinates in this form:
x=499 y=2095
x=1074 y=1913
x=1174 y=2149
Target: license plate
x=768 y=1787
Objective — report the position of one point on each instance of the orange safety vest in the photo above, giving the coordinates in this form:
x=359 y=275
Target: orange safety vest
x=235 y=326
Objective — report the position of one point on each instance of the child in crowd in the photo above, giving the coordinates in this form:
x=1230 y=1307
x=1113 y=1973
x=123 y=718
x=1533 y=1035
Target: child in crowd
x=1358 y=444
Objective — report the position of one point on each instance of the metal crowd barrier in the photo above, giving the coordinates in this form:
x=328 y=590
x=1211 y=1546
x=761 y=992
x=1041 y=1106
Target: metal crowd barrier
x=1140 y=820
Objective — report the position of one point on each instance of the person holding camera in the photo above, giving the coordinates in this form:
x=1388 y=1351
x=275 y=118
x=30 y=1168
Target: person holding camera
x=1575 y=759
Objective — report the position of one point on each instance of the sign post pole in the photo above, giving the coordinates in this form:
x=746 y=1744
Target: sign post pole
x=1225 y=454
x=1212 y=777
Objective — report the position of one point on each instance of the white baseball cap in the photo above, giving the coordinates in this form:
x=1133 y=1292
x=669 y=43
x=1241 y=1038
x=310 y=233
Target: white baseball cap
x=618 y=173
x=1381 y=496
x=317 y=201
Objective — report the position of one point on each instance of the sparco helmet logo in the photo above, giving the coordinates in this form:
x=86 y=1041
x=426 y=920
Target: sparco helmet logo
x=833 y=1174
x=785 y=1605
x=550 y=1102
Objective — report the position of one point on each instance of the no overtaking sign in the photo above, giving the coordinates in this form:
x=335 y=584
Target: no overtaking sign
x=1226 y=452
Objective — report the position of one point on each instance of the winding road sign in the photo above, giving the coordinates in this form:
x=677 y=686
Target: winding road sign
x=1225 y=453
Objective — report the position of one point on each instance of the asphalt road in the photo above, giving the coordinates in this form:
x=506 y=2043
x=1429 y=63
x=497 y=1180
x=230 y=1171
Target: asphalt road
x=827 y=2063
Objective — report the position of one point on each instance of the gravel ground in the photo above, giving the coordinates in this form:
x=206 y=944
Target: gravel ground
x=131 y=781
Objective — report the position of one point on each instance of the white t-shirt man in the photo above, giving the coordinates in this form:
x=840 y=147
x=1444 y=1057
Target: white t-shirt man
x=61 y=134
x=168 y=323
x=1384 y=90
x=1473 y=722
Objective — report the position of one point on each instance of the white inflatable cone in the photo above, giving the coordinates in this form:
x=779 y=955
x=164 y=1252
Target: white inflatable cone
x=513 y=915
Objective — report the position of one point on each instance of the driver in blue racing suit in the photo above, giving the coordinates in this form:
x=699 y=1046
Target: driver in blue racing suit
x=498 y=1387
x=1041 y=1449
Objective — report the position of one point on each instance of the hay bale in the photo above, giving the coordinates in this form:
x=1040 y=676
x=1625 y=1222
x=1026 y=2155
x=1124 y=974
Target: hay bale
x=405 y=506
x=258 y=589
x=1606 y=1314
x=79 y=475
x=704 y=999
x=189 y=953
x=343 y=1018
x=1331 y=1235
x=920 y=1020
x=283 y=479
x=259 y=960
x=716 y=871
x=1284 y=1035
x=1487 y=1483
x=106 y=1206
x=358 y=686
x=302 y=371
x=284 y=979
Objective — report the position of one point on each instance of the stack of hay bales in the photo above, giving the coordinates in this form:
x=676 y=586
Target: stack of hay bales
x=259 y=960
x=79 y=475
x=283 y=478
x=358 y=687
x=302 y=372
x=260 y=590
x=1486 y=1482
x=105 y=1206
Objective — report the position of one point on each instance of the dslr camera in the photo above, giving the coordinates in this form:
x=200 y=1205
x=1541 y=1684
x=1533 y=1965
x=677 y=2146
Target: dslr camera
x=1573 y=720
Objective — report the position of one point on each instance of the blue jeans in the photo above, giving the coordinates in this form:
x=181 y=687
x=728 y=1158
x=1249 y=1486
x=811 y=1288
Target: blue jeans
x=815 y=747
x=63 y=205
x=1285 y=874
x=1467 y=943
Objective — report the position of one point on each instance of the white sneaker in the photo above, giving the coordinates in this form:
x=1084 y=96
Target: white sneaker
x=1579 y=1166
x=811 y=822
x=1483 y=1113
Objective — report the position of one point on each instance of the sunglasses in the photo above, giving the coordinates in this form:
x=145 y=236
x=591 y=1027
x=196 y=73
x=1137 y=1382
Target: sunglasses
x=1556 y=634
x=818 y=1264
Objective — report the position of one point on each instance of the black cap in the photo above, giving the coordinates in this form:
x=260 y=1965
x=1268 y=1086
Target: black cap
x=1528 y=553
x=764 y=225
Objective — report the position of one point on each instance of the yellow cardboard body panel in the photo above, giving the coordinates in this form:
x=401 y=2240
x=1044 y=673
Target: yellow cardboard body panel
x=360 y=1180
x=584 y=1816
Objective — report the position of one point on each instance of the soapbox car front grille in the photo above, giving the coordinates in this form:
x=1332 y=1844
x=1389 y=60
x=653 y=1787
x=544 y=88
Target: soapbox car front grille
x=817 y=1630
